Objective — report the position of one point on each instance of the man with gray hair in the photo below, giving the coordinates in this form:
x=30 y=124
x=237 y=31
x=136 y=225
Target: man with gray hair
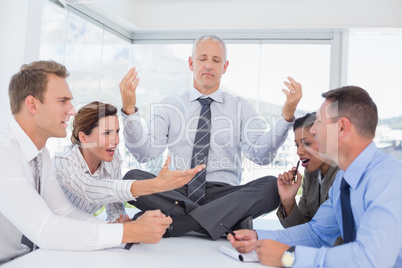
x=209 y=126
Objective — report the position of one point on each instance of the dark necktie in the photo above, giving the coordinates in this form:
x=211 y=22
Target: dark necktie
x=196 y=187
x=349 y=232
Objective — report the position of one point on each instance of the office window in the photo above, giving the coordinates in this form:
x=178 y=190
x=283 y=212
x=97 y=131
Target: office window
x=375 y=64
x=242 y=77
x=256 y=72
x=163 y=71
x=83 y=58
x=306 y=63
x=259 y=73
x=115 y=64
x=96 y=58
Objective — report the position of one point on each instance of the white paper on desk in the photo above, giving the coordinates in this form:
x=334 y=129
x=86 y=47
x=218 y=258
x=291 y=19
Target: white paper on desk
x=121 y=247
x=244 y=257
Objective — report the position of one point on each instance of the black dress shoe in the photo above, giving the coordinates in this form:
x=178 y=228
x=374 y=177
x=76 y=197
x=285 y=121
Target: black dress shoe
x=246 y=223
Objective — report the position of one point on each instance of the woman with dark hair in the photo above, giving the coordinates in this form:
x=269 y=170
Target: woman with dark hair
x=319 y=174
x=89 y=170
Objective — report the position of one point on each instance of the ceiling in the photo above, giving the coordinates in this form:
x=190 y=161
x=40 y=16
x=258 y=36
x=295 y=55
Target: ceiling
x=131 y=17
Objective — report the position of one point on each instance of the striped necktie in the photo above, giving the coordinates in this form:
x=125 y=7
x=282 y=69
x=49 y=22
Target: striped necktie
x=196 y=187
x=349 y=232
x=36 y=165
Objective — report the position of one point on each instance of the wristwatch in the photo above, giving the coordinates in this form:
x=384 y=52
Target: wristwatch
x=288 y=258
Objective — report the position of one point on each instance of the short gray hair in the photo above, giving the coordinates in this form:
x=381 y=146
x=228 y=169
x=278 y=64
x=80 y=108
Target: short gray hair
x=206 y=38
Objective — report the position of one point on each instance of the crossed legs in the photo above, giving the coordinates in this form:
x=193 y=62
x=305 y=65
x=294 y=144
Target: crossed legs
x=223 y=203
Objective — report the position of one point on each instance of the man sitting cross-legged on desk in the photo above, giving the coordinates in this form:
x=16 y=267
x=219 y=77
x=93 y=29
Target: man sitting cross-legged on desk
x=364 y=201
x=206 y=125
x=31 y=200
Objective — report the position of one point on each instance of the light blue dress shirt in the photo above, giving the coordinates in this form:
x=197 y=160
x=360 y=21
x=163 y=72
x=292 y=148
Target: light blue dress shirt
x=236 y=130
x=375 y=181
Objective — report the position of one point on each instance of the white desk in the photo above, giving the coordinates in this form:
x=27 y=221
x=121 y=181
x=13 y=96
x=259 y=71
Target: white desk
x=190 y=251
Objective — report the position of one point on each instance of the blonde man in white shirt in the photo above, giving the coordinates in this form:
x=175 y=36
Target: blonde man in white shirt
x=31 y=202
x=89 y=169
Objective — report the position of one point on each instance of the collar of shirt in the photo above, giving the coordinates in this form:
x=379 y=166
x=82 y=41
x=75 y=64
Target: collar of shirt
x=319 y=177
x=194 y=94
x=102 y=168
x=355 y=171
x=28 y=148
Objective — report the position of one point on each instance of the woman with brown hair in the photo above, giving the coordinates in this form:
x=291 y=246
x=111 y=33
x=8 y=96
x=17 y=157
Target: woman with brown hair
x=89 y=170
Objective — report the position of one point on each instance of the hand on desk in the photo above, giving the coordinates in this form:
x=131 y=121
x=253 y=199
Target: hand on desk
x=270 y=252
x=245 y=240
x=147 y=229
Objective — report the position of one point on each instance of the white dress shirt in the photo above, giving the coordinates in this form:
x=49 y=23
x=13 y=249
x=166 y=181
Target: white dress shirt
x=49 y=220
x=90 y=192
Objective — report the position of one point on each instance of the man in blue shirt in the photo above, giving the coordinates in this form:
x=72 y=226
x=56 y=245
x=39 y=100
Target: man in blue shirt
x=344 y=128
x=236 y=130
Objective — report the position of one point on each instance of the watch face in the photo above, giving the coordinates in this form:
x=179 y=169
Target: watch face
x=287 y=259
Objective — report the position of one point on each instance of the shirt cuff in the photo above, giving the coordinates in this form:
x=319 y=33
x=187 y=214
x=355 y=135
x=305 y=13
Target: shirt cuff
x=135 y=111
x=291 y=121
x=125 y=190
x=110 y=235
x=283 y=126
x=265 y=234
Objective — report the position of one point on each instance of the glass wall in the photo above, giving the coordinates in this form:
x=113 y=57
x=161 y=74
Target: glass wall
x=256 y=75
x=375 y=63
x=98 y=58
x=163 y=71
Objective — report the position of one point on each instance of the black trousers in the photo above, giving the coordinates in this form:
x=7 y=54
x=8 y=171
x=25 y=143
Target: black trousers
x=223 y=203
